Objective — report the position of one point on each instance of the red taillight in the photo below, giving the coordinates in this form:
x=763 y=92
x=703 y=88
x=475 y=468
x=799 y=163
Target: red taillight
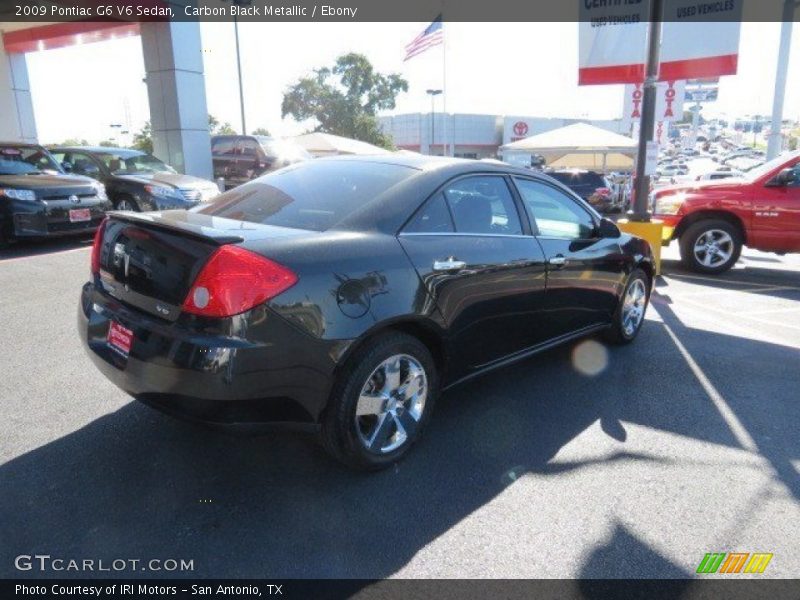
x=96 y=247
x=604 y=192
x=235 y=280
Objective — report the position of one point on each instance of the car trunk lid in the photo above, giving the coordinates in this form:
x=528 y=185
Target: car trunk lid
x=150 y=261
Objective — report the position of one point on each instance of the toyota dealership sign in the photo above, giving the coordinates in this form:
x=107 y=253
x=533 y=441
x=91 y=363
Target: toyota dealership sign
x=613 y=39
x=669 y=101
x=520 y=129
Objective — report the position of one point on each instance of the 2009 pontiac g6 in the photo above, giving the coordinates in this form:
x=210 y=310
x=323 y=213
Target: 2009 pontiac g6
x=342 y=295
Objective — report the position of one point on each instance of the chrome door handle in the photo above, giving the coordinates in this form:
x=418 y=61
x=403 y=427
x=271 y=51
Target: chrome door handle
x=557 y=261
x=451 y=264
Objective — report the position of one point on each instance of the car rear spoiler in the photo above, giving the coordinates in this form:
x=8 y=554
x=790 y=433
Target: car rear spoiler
x=174 y=223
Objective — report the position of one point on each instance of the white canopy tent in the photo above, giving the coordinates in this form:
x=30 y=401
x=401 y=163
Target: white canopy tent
x=327 y=144
x=579 y=145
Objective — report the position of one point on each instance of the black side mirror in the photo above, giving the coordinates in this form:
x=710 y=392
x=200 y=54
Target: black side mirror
x=608 y=229
x=784 y=177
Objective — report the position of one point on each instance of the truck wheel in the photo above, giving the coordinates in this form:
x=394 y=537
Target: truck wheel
x=711 y=246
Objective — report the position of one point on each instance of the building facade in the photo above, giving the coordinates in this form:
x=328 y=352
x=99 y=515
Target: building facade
x=473 y=135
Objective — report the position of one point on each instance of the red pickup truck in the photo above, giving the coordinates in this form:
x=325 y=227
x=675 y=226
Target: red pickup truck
x=712 y=220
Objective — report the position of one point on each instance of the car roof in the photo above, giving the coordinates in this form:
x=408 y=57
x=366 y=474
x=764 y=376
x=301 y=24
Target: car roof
x=98 y=150
x=392 y=210
x=423 y=162
x=21 y=144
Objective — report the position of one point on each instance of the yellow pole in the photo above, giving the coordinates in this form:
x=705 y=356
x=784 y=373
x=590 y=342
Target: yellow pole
x=647 y=230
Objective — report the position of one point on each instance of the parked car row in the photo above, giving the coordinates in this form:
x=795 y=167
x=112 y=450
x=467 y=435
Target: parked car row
x=66 y=190
x=135 y=180
x=38 y=199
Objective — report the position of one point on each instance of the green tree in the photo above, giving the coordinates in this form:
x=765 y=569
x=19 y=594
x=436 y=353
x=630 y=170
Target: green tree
x=109 y=144
x=344 y=99
x=217 y=128
x=74 y=142
x=143 y=139
x=261 y=131
x=792 y=143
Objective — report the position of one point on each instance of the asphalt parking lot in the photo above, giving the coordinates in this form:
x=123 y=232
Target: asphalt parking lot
x=582 y=462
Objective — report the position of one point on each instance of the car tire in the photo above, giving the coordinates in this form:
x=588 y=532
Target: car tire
x=373 y=418
x=710 y=246
x=629 y=315
x=126 y=203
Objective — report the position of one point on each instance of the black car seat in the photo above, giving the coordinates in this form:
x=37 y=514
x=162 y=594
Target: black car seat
x=473 y=214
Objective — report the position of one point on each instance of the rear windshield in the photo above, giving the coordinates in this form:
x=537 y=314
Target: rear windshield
x=594 y=180
x=312 y=195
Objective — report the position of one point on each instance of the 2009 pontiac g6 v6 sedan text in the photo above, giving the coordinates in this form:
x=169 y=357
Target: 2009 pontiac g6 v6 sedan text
x=343 y=294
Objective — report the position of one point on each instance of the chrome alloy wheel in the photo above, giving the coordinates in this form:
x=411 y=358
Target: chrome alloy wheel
x=633 y=306
x=391 y=404
x=713 y=248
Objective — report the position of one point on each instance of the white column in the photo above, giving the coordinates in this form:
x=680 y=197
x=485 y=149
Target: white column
x=17 y=122
x=775 y=138
x=176 y=90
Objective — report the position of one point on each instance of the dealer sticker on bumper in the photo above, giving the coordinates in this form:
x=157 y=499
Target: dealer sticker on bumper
x=120 y=338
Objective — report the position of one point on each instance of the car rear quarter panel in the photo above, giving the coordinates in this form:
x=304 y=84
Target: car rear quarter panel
x=349 y=284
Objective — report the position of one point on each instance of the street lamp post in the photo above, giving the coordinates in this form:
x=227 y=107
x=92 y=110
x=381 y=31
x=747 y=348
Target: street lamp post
x=114 y=127
x=432 y=94
x=239 y=62
x=239 y=70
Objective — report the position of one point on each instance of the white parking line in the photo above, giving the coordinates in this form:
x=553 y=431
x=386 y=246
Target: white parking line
x=722 y=280
x=741 y=315
x=728 y=325
x=750 y=290
x=767 y=311
x=734 y=424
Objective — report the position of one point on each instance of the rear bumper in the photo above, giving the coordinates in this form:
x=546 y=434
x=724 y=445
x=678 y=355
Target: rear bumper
x=253 y=369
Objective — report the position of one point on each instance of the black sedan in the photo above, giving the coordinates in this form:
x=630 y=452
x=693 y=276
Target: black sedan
x=136 y=180
x=37 y=199
x=342 y=295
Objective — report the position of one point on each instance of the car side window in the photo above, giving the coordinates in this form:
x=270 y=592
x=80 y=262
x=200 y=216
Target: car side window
x=796 y=181
x=82 y=164
x=482 y=204
x=433 y=217
x=555 y=214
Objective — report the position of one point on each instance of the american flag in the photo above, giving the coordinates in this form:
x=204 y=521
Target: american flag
x=432 y=36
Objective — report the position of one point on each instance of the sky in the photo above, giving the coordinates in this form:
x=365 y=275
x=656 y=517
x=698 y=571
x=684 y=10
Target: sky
x=496 y=68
